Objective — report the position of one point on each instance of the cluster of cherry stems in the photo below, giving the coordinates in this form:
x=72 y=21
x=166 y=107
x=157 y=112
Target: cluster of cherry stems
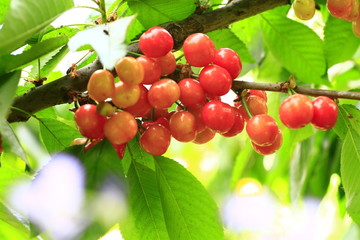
x=138 y=101
x=347 y=10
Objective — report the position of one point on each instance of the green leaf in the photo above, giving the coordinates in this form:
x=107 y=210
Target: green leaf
x=189 y=210
x=56 y=135
x=8 y=85
x=4 y=7
x=146 y=220
x=154 y=12
x=27 y=17
x=340 y=43
x=350 y=167
x=225 y=38
x=348 y=120
x=11 y=62
x=296 y=46
x=108 y=40
x=10 y=226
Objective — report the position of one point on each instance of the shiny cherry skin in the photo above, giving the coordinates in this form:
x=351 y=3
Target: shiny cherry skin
x=130 y=71
x=120 y=128
x=218 y=116
x=156 y=42
x=183 y=126
x=199 y=50
x=262 y=129
x=230 y=60
x=325 y=113
x=101 y=85
x=267 y=150
x=163 y=93
x=90 y=123
x=296 y=111
x=155 y=140
x=191 y=93
x=152 y=69
x=142 y=107
x=215 y=80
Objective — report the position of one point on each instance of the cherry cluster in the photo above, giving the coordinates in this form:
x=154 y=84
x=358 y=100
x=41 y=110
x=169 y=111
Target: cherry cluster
x=347 y=10
x=139 y=100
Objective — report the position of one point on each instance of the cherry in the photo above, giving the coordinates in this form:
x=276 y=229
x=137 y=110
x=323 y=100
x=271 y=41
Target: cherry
x=199 y=50
x=215 y=80
x=296 y=111
x=152 y=69
x=142 y=107
x=256 y=105
x=90 y=123
x=120 y=149
x=156 y=42
x=197 y=112
x=163 y=93
x=120 y=128
x=183 y=126
x=155 y=140
x=204 y=136
x=130 y=71
x=218 y=116
x=101 y=85
x=167 y=63
x=340 y=8
x=354 y=14
x=304 y=9
x=191 y=92
x=262 y=129
x=105 y=109
x=267 y=150
x=238 y=125
x=230 y=60
x=325 y=113
x=259 y=93
x=125 y=95
x=356 y=27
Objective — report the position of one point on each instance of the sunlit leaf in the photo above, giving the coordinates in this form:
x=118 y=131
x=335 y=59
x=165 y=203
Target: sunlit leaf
x=27 y=17
x=189 y=210
x=107 y=40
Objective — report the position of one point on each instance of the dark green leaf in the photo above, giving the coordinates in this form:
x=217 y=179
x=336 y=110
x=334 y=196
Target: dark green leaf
x=4 y=7
x=154 y=12
x=296 y=46
x=10 y=62
x=225 y=38
x=189 y=210
x=56 y=135
x=340 y=43
x=8 y=84
x=146 y=219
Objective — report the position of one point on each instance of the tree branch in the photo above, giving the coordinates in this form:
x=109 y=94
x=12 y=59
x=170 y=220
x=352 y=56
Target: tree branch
x=57 y=92
x=279 y=87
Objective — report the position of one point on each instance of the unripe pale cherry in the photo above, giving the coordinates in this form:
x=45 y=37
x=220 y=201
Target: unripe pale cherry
x=325 y=113
x=304 y=9
x=101 y=85
x=156 y=42
x=199 y=50
x=183 y=126
x=130 y=71
x=125 y=95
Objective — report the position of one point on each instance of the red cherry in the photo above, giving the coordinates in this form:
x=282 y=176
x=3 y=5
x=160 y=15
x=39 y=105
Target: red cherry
x=259 y=93
x=262 y=129
x=120 y=128
x=142 y=107
x=218 y=116
x=191 y=92
x=296 y=111
x=230 y=60
x=155 y=140
x=267 y=150
x=183 y=126
x=156 y=42
x=152 y=69
x=120 y=149
x=199 y=50
x=354 y=15
x=215 y=80
x=256 y=105
x=204 y=136
x=90 y=122
x=163 y=93
x=325 y=113
x=167 y=63
x=238 y=125
x=340 y=8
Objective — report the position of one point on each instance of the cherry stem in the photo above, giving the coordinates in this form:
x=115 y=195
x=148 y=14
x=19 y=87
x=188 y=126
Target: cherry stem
x=179 y=57
x=103 y=13
x=180 y=105
x=244 y=103
x=135 y=54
